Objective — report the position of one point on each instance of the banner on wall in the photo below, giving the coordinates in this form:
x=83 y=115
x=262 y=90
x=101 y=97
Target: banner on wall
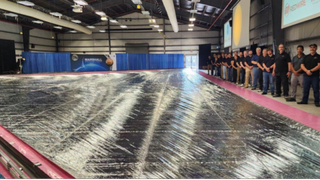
x=88 y=63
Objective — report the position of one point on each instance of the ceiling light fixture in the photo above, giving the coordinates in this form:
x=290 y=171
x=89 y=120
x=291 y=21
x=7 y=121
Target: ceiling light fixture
x=145 y=12
x=100 y=13
x=81 y=2
x=73 y=31
x=26 y=3
x=113 y=21
x=37 y=22
x=123 y=26
x=11 y=14
x=190 y=29
x=91 y=27
x=102 y=31
x=56 y=14
x=160 y=30
x=136 y=1
x=192 y=19
x=104 y=18
x=76 y=21
x=57 y=27
x=156 y=26
x=191 y=25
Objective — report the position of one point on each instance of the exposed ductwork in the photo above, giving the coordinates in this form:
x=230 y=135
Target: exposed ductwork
x=169 y=6
x=27 y=11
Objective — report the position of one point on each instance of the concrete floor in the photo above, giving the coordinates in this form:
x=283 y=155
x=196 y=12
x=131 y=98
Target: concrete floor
x=310 y=108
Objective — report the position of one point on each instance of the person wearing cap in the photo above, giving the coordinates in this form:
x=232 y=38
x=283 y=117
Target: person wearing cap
x=249 y=67
x=255 y=62
x=297 y=73
x=311 y=65
x=282 y=71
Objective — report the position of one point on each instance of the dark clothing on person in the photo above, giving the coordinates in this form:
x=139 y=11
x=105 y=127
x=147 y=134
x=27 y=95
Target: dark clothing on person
x=282 y=61
x=269 y=61
x=310 y=62
x=248 y=60
x=296 y=62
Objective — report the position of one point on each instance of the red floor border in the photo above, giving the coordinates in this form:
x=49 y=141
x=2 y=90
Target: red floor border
x=47 y=166
x=293 y=113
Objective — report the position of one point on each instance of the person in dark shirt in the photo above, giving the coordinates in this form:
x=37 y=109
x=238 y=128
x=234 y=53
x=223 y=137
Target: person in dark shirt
x=297 y=73
x=213 y=65
x=282 y=72
x=216 y=65
x=249 y=67
x=311 y=65
x=255 y=62
x=219 y=65
x=242 y=66
x=235 y=68
x=261 y=69
x=224 y=67
x=209 y=66
x=268 y=65
x=229 y=67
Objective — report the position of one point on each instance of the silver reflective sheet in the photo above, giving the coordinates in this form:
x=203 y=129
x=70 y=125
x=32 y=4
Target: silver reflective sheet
x=160 y=124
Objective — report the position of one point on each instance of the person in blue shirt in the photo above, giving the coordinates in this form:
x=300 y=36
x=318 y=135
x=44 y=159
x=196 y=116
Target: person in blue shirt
x=268 y=64
x=256 y=70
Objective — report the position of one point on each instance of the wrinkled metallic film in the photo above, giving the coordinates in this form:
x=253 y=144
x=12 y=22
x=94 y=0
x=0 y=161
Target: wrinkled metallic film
x=160 y=124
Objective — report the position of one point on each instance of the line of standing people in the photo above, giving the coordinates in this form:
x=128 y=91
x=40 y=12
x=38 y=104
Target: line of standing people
x=266 y=71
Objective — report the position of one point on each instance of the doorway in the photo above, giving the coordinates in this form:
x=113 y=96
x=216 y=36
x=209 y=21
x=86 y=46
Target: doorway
x=192 y=61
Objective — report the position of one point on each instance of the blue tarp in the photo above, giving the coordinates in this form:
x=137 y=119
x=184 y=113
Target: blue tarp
x=46 y=62
x=149 y=61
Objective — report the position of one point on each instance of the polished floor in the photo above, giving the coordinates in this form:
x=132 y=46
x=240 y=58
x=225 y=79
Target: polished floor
x=158 y=124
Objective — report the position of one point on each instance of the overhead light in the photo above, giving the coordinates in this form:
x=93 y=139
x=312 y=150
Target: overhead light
x=152 y=21
x=192 y=19
x=113 y=21
x=123 y=26
x=77 y=8
x=136 y=1
x=102 y=31
x=81 y=2
x=100 y=13
x=57 y=27
x=156 y=26
x=160 y=30
x=38 y=22
x=145 y=12
x=91 y=27
x=191 y=25
x=194 y=11
x=11 y=14
x=26 y=3
x=76 y=21
x=104 y=18
x=56 y=14
x=73 y=31
x=190 y=29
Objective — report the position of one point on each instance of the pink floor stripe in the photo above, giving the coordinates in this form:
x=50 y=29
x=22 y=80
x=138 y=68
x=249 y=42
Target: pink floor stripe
x=79 y=73
x=298 y=115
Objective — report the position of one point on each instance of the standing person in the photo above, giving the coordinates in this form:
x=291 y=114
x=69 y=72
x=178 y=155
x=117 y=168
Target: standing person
x=238 y=62
x=229 y=67
x=311 y=65
x=235 y=68
x=282 y=72
x=209 y=64
x=242 y=57
x=213 y=65
x=223 y=66
x=249 y=67
x=297 y=73
x=255 y=62
x=217 y=63
x=261 y=70
x=268 y=64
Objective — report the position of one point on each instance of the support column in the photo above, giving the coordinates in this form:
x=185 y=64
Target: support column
x=278 y=33
x=26 y=38
x=57 y=42
x=164 y=36
x=109 y=36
